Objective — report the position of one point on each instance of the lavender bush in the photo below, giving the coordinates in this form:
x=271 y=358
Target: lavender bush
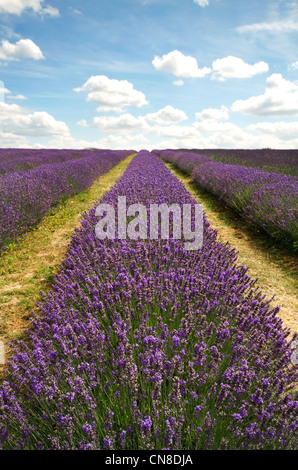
x=27 y=159
x=143 y=345
x=185 y=161
x=266 y=200
x=270 y=160
x=26 y=196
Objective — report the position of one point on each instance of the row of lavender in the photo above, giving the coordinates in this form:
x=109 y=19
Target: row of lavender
x=26 y=196
x=267 y=200
x=143 y=345
x=270 y=160
x=12 y=160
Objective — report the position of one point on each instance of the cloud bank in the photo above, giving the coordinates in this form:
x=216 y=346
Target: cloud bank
x=180 y=65
x=280 y=99
x=111 y=94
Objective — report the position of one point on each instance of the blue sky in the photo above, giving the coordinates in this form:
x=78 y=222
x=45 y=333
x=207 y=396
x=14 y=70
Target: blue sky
x=149 y=74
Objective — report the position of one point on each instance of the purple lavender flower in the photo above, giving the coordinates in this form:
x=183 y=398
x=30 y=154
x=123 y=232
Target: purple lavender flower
x=184 y=336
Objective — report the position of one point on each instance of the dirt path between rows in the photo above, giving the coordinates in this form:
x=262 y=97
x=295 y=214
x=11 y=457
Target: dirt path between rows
x=275 y=268
x=28 y=266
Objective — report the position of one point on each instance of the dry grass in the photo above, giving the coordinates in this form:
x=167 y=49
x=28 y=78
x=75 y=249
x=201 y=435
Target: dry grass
x=29 y=264
x=273 y=266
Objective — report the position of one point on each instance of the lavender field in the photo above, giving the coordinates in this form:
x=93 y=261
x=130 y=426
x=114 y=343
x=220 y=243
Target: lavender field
x=270 y=160
x=31 y=182
x=267 y=200
x=12 y=160
x=141 y=344
x=148 y=229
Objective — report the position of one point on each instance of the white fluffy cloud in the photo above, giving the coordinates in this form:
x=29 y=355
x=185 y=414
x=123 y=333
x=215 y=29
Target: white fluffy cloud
x=166 y=115
x=214 y=127
x=227 y=67
x=17 y=120
x=135 y=142
x=280 y=99
x=111 y=94
x=179 y=65
x=202 y=3
x=125 y=122
x=174 y=131
x=282 y=130
x=16 y=7
x=10 y=140
x=22 y=49
x=234 y=67
x=213 y=114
